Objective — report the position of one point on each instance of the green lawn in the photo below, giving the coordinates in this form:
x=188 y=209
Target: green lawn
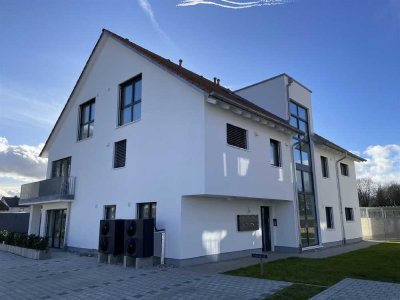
x=380 y=262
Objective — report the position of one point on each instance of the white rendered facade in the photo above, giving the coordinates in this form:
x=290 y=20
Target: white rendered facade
x=177 y=156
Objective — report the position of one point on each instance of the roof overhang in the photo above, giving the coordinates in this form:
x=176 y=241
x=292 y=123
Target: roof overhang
x=249 y=113
x=319 y=140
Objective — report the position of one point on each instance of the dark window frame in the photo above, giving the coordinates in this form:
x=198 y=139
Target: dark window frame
x=330 y=223
x=106 y=212
x=324 y=166
x=229 y=139
x=116 y=164
x=276 y=159
x=349 y=212
x=92 y=111
x=153 y=213
x=121 y=107
x=344 y=169
x=54 y=163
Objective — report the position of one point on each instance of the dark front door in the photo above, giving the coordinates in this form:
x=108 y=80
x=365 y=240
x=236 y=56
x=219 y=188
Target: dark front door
x=265 y=228
x=55 y=230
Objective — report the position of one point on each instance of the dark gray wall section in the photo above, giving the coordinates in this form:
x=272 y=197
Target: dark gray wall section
x=14 y=222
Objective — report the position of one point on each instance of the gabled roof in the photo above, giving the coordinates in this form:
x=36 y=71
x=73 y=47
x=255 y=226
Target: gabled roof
x=12 y=202
x=207 y=86
x=323 y=141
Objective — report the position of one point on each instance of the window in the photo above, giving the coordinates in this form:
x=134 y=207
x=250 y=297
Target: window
x=86 y=119
x=275 y=153
x=109 y=212
x=325 y=167
x=236 y=136
x=349 y=214
x=344 y=169
x=329 y=217
x=130 y=104
x=61 y=168
x=119 y=154
x=146 y=210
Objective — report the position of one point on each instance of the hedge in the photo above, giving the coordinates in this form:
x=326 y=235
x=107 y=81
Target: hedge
x=23 y=240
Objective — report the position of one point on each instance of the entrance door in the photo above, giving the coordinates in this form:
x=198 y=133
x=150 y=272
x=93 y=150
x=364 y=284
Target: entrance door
x=265 y=228
x=55 y=230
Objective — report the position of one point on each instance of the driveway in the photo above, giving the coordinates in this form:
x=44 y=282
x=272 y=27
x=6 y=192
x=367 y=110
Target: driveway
x=68 y=276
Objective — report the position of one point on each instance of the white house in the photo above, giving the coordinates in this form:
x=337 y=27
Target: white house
x=223 y=172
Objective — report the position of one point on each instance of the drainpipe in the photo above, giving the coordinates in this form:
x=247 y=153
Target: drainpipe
x=340 y=198
x=296 y=195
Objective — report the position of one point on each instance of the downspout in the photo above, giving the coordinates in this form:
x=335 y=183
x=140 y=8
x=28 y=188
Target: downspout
x=296 y=195
x=340 y=198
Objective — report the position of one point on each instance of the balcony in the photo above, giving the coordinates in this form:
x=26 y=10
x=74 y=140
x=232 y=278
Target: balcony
x=50 y=190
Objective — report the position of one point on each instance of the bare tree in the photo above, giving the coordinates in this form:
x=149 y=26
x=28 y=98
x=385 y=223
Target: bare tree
x=367 y=190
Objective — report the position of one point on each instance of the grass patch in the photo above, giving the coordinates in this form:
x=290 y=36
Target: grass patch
x=297 y=291
x=379 y=262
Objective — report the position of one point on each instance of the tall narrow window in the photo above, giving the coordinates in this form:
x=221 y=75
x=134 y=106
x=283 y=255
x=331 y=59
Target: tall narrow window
x=109 y=212
x=325 y=167
x=236 y=136
x=344 y=169
x=329 y=217
x=86 y=120
x=275 y=153
x=130 y=106
x=120 y=154
x=349 y=214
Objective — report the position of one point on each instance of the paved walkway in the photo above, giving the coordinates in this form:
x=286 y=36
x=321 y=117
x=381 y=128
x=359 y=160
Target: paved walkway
x=68 y=276
x=355 y=289
x=224 y=266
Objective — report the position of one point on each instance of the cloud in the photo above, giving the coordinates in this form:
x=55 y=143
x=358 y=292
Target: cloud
x=21 y=162
x=9 y=191
x=383 y=164
x=233 y=4
x=148 y=9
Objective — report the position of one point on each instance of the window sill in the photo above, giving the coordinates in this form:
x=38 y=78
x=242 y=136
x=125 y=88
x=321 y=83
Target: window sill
x=238 y=148
x=276 y=167
x=127 y=124
x=82 y=140
x=119 y=168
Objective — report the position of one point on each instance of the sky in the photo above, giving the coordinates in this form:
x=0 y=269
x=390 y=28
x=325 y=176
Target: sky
x=346 y=51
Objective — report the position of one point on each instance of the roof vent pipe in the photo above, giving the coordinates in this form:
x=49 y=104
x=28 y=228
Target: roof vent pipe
x=215 y=80
x=180 y=62
x=218 y=81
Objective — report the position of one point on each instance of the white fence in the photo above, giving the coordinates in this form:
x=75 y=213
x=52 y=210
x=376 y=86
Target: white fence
x=380 y=223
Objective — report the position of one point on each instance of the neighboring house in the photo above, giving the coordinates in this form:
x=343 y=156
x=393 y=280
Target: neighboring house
x=223 y=172
x=11 y=205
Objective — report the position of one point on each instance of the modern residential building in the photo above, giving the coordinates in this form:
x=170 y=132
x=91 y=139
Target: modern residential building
x=223 y=172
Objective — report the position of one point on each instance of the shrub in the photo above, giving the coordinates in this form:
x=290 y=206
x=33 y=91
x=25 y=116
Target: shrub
x=23 y=240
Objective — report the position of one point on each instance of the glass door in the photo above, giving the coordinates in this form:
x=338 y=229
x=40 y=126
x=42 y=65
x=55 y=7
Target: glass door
x=56 y=227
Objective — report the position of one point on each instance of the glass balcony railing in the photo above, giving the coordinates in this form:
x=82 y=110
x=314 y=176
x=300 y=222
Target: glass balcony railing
x=49 y=190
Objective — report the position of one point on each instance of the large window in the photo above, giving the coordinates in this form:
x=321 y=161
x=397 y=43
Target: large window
x=349 y=214
x=304 y=176
x=109 y=212
x=344 y=169
x=236 y=136
x=130 y=105
x=325 y=167
x=329 y=217
x=146 y=210
x=61 y=168
x=275 y=153
x=120 y=154
x=86 y=120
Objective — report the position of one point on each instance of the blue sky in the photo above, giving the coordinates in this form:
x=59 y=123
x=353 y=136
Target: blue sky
x=346 y=52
